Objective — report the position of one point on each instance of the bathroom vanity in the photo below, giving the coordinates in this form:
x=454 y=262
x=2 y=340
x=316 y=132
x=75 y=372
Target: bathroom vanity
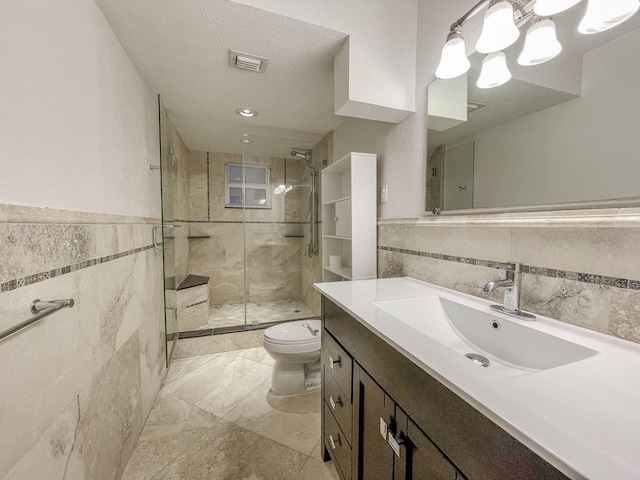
x=401 y=400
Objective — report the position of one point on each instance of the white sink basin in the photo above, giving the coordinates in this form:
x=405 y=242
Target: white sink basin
x=507 y=344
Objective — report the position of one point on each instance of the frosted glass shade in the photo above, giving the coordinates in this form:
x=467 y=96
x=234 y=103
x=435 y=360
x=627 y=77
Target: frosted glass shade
x=494 y=71
x=540 y=44
x=602 y=15
x=498 y=30
x=544 y=8
x=454 y=61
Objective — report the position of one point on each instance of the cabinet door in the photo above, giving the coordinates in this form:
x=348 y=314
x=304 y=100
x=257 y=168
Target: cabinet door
x=419 y=458
x=376 y=457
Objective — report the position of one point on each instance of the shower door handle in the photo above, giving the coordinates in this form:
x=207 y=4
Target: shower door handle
x=157 y=245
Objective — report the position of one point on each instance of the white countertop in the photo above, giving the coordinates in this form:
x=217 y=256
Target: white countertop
x=583 y=417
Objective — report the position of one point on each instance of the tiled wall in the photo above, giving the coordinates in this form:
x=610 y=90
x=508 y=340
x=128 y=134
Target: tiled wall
x=77 y=387
x=273 y=252
x=581 y=267
x=321 y=155
x=181 y=202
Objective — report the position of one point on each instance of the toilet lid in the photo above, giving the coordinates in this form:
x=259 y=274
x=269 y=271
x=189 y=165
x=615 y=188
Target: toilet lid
x=297 y=332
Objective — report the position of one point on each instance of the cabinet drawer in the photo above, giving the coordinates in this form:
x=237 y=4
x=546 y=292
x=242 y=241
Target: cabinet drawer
x=337 y=363
x=336 y=443
x=338 y=404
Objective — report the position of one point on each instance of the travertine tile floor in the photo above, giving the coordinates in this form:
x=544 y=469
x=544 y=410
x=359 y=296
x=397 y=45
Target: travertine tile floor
x=214 y=419
x=258 y=312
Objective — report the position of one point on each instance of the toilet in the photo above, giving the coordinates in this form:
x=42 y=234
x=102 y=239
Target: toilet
x=295 y=347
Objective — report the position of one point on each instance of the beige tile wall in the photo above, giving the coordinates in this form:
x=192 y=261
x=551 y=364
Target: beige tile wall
x=312 y=266
x=181 y=207
x=273 y=258
x=602 y=248
x=78 y=386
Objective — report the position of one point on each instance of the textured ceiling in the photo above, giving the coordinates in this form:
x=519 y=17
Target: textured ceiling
x=181 y=49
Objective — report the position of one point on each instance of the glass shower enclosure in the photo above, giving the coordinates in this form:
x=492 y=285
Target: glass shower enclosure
x=261 y=226
x=250 y=233
x=163 y=237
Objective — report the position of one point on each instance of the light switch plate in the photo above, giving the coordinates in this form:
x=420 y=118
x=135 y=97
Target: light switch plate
x=384 y=190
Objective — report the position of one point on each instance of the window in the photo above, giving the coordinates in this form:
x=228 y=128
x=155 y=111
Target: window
x=256 y=186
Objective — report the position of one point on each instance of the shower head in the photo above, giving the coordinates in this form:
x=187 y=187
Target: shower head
x=306 y=156
x=302 y=156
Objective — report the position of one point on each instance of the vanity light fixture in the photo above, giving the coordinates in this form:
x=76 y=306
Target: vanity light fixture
x=602 y=15
x=246 y=112
x=494 y=71
x=499 y=31
x=541 y=43
x=545 y=8
x=454 y=61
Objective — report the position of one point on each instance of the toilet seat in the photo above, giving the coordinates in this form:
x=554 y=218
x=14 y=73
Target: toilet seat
x=293 y=337
x=293 y=333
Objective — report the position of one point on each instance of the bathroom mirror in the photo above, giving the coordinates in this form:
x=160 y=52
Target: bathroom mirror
x=558 y=135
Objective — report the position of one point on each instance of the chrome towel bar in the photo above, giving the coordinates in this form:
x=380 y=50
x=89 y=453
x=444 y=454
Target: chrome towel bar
x=40 y=309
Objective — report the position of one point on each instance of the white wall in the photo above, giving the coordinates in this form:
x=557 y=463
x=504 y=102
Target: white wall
x=401 y=148
x=565 y=153
x=79 y=126
x=381 y=55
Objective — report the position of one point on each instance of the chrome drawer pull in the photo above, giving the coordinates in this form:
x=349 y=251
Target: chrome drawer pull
x=333 y=362
x=333 y=443
x=333 y=403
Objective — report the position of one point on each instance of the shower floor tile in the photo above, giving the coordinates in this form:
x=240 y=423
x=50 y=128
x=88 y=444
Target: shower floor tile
x=193 y=433
x=259 y=312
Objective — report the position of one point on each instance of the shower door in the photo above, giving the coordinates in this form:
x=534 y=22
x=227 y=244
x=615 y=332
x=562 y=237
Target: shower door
x=250 y=227
x=276 y=230
x=165 y=231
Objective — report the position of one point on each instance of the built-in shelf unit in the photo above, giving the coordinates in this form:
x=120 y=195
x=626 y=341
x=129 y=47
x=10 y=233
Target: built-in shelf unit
x=349 y=218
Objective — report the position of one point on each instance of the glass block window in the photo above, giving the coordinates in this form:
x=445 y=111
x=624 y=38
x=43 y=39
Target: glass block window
x=247 y=186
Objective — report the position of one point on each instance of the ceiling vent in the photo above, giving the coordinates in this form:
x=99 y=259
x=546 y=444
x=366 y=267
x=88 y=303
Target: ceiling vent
x=246 y=61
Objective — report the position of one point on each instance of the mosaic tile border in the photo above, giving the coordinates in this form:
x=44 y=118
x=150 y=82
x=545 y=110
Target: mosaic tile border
x=10 y=285
x=241 y=222
x=196 y=304
x=623 y=283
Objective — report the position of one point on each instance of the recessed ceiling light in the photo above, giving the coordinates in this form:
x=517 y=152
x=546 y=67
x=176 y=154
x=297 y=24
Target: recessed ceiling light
x=246 y=141
x=246 y=112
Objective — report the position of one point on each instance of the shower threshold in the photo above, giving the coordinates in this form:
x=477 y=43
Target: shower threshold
x=259 y=315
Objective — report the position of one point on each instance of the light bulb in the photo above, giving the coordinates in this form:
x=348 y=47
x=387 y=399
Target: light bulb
x=454 y=61
x=540 y=44
x=494 y=71
x=544 y=8
x=246 y=112
x=602 y=15
x=498 y=30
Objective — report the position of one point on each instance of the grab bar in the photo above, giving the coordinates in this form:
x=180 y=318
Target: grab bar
x=40 y=309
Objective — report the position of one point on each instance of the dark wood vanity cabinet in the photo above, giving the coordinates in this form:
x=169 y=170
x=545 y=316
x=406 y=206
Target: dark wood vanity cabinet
x=391 y=446
x=384 y=418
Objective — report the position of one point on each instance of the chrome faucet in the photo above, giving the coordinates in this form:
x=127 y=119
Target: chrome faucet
x=511 y=286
